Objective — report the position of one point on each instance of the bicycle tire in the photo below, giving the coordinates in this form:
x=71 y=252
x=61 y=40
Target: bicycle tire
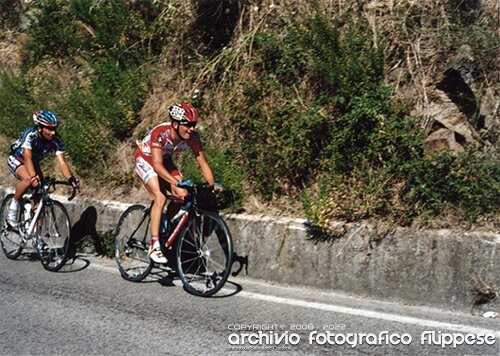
x=204 y=254
x=132 y=244
x=10 y=239
x=54 y=230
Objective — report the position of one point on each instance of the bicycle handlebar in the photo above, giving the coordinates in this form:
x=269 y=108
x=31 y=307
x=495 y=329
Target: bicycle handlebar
x=229 y=194
x=52 y=182
x=192 y=190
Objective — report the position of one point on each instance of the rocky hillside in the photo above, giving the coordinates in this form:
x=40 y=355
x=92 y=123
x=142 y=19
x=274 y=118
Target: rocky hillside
x=329 y=109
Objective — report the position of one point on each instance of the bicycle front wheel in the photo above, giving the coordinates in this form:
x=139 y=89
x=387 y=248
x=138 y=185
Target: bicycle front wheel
x=54 y=229
x=10 y=238
x=131 y=244
x=204 y=254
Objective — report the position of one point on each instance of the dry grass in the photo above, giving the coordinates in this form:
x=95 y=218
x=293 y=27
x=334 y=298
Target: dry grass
x=50 y=77
x=414 y=63
x=11 y=51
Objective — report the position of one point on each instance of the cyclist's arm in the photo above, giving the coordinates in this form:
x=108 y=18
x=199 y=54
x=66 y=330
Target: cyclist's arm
x=157 y=159
x=28 y=162
x=63 y=165
x=205 y=168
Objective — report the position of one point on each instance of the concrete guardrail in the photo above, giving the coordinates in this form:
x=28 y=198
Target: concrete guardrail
x=438 y=268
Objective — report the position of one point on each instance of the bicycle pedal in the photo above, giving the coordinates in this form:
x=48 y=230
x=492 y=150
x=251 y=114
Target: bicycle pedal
x=42 y=246
x=12 y=228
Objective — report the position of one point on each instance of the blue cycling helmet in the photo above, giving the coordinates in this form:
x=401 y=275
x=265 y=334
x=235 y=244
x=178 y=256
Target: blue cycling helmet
x=46 y=118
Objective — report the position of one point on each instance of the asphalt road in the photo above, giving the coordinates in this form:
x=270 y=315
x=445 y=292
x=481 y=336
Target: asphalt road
x=89 y=309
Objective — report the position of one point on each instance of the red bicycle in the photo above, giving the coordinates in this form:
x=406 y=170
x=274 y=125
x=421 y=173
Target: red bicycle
x=203 y=243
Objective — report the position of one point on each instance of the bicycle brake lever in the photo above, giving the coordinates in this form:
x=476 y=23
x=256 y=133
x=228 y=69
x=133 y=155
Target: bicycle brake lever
x=72 y=195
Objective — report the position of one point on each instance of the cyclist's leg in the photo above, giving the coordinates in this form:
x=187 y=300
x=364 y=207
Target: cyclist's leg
x=25 y=182
x=159 y=200
x=21 y=173
x=151 y=181
x=149 y=178
x=173 y=207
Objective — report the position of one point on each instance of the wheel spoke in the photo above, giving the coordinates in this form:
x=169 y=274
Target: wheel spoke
x=204 y=254
x=53 y=235
x=131 y=248
x=216 y=263
x=10 y=239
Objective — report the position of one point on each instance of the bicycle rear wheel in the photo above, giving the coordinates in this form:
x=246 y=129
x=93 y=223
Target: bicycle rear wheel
x=10 y=238
x=132 y=244
x=54 y=229
x=204 y=254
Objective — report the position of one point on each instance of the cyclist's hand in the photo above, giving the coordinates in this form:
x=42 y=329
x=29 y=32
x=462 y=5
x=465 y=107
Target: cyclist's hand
x=75 y=183
x=35 y=181
x=185 y=183
x=217 y=187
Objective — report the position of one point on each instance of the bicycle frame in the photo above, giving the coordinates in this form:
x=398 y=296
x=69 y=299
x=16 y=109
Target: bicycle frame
x=34 y=219
x=43 y=191
x=49 y=229
x=203 y=256
x=185 y=213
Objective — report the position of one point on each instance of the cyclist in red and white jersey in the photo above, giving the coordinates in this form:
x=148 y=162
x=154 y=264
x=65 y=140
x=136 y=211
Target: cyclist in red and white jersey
x=155 y=166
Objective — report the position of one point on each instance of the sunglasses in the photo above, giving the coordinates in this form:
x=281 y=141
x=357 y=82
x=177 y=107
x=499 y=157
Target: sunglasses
x=190 y=124
x=49 y=128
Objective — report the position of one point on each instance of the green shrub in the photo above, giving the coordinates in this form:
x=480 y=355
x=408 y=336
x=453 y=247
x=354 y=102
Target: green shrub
x=116 y=39
x=283 y=149
x=342 y=67
x=108 y=240
x=52 y=32
x=312 y=116
x=84 y=136
x=226 y=171
x=125 y=30
x=284 y=57
x=9 y=13
x=468 y=183
x=117 y=96
x=16 y=106
x=285 y=142
x=365 y=193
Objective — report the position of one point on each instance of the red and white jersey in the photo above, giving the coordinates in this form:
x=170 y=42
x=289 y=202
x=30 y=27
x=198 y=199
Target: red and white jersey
x=161 y=137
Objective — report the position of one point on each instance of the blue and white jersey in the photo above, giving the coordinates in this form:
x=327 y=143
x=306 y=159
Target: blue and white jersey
x=39 y=146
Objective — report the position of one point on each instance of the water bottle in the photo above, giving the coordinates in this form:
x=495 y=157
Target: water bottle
x=163 y=223
x=27 y=211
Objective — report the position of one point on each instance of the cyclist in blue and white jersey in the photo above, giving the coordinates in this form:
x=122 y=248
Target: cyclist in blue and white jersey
x=34 y=145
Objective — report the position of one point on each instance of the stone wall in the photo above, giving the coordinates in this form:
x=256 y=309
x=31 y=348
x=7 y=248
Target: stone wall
x=444 y=268
x=439 y=268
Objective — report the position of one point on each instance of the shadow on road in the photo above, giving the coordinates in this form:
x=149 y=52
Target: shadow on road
x=168 y=277
x=75 y=264
x=83 y=229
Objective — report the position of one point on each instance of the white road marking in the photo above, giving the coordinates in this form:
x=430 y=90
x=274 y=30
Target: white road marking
x=104 y=268
x=370 y=314
x=350 y=311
